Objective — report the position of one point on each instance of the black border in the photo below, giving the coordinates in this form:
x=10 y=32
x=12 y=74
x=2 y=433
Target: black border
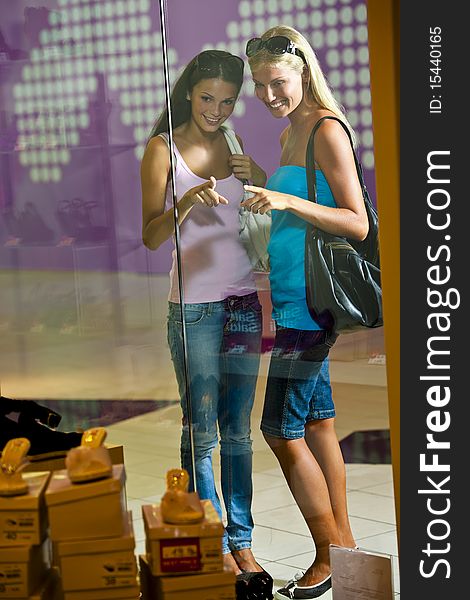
x=422 y=132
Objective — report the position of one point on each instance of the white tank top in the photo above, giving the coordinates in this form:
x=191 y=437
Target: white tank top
x=214 y=262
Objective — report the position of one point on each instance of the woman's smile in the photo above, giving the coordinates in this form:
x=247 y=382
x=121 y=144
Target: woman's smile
x=277 y=104
x=212 y=120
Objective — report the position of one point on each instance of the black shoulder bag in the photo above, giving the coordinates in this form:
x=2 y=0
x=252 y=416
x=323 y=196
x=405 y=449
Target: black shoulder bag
x=342 y=276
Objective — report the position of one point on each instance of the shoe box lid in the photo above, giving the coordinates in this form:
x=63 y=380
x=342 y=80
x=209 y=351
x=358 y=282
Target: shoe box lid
x=37 y=483
x=22 y=554
x=124 y=593
x=61 y=490
x=156 y=528
x=186 y=583
x=15 y=554
x=99 y=545
x=56 y=463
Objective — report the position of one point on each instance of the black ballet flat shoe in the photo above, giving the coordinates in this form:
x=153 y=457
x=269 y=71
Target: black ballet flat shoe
x=30 y=409
x=36 y=423
x=294 y=591
x=254 y=585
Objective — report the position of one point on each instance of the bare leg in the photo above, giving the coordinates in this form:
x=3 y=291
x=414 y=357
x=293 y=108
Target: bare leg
x=321 y=438
x=246 y=561
x=309 y=488
x=230 y=564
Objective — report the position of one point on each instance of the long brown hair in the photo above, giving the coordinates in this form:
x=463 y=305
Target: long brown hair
x=226 y=66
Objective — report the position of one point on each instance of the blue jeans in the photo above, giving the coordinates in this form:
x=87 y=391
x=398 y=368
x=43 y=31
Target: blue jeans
x=223 y=345
x=298 y=388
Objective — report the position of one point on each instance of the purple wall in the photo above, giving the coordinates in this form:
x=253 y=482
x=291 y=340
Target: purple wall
x=81 y=83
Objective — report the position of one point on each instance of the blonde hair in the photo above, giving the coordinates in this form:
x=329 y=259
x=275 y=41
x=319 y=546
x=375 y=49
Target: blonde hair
x=317 y=84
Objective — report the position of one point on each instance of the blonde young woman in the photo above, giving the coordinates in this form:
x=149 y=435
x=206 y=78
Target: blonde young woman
x=222 y=310
x=298 y=415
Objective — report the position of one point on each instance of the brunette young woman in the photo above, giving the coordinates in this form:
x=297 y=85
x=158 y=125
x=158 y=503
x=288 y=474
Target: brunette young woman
x=221 y=306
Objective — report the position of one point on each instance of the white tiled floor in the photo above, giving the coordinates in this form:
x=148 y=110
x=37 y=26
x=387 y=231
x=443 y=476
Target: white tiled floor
x=281 y=541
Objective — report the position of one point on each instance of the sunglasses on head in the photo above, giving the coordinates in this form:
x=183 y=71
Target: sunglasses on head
x=277 y=45
x=210 y=61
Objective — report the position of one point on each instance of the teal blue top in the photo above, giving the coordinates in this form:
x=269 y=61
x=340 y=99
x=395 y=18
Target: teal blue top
x=287 y=248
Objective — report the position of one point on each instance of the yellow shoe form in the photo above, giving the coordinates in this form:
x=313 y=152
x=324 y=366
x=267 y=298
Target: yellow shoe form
x=13 y=461
x=178 y=506
x=90 y=460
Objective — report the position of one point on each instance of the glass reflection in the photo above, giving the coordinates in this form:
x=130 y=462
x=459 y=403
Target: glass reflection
x=348 y=68
x=83 y=305
x=80 y=297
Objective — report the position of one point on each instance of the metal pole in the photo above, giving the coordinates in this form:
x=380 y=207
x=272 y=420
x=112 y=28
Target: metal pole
x=177 y=241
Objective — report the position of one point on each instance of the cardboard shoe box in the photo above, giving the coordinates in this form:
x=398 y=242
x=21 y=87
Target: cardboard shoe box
x=105 y=563
x=23 y=519
x=127 y=593
x=208 y=586
x=181 y=549
x=23 y=569
x=81 y=511
x=51 y=589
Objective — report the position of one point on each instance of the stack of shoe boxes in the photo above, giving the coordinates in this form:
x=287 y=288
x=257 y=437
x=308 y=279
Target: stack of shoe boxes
x=93 y=545
x=184 y=561
x=25 y=554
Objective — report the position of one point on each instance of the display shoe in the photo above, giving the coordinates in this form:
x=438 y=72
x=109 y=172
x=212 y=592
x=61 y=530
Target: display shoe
x=36 y=423
x=256 y=585
x=295 y=591
x=91 y=460
x=45 y=442
x=178 y=506
x=30 y=409
x=12 y=462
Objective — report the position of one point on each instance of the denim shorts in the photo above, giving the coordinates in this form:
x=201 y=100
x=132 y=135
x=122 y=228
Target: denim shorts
x=298 y=388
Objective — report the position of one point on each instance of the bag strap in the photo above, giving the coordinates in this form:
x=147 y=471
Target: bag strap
x=309 y=159
x=235 y=148
x=232 y=141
